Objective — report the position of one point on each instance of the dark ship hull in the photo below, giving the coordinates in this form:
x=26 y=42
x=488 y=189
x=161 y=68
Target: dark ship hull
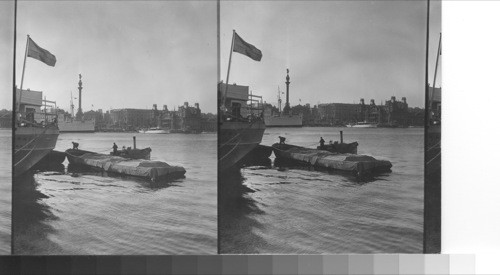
x=32 y=144
x=236 y=139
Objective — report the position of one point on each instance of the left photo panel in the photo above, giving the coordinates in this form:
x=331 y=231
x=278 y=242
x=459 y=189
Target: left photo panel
x=6 y=79
x=115 y=128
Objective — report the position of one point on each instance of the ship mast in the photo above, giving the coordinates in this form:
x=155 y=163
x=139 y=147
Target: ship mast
x=279 y=99
x=72 y=106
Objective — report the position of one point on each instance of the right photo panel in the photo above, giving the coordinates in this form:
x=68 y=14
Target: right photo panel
x=322 y=127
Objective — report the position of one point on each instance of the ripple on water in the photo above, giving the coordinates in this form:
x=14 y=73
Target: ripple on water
x=91 y=213
x=302 y=211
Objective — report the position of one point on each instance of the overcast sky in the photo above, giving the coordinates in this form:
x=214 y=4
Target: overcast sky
x=337 y=51
x=134 y=54
x=131 y=54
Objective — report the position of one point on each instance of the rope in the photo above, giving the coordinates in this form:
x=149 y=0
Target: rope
x=29 y=153
x=432 y=147
x=31 y=150
x=230 y=151
x=36 y=137
x=231 y=139
x=437 y=155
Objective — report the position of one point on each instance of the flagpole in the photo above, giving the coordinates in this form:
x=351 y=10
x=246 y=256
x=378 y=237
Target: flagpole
x=426 y=122
x=25 y=55
x=218 y=41
x=228 y=69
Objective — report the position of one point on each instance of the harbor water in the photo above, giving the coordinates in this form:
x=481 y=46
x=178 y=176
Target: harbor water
x=296 y=210
x=88 y=212
x=5 y=190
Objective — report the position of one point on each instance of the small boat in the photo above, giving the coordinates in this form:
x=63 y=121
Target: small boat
x=155 y=130
x=130 y=153
x=342 y=148
x=363 y=125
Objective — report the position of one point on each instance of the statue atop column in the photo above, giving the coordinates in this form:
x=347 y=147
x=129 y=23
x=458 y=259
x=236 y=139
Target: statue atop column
x=79 y=114
x=286 y=109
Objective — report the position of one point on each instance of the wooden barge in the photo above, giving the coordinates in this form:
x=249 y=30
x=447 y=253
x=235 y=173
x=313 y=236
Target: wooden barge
x=146 y=169
x=360 y=165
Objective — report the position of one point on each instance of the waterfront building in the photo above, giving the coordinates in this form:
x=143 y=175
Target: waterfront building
x=393 y=113
x=338 y=113
x=397 y=112
x=371 y=113
x=208 y=122
x=189 y=118
x=130 y=119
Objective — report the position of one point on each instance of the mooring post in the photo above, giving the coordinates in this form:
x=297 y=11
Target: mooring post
x=341 y=137
x=134 y=142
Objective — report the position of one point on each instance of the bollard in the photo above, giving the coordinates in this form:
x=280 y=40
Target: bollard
x=134 y=142
x=341 y=137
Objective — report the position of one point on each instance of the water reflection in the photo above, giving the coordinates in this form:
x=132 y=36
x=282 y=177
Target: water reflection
x=31 y=218
x=282 y=206
x=236 y=215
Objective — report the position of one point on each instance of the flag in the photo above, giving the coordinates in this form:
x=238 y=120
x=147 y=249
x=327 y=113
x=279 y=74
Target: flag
x=39 y=53
x=240 y=46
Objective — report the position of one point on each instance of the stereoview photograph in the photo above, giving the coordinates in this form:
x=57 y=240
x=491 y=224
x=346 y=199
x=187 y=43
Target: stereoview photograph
x=321 y=125
x=115 y=128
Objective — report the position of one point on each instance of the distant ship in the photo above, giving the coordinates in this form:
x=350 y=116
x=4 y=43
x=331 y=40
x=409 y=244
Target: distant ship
x=285 y=118
x=35 y=130
x=241 y=126
x=155 y=130
x=78 y=124
x=283 y=121
x=363 y=125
